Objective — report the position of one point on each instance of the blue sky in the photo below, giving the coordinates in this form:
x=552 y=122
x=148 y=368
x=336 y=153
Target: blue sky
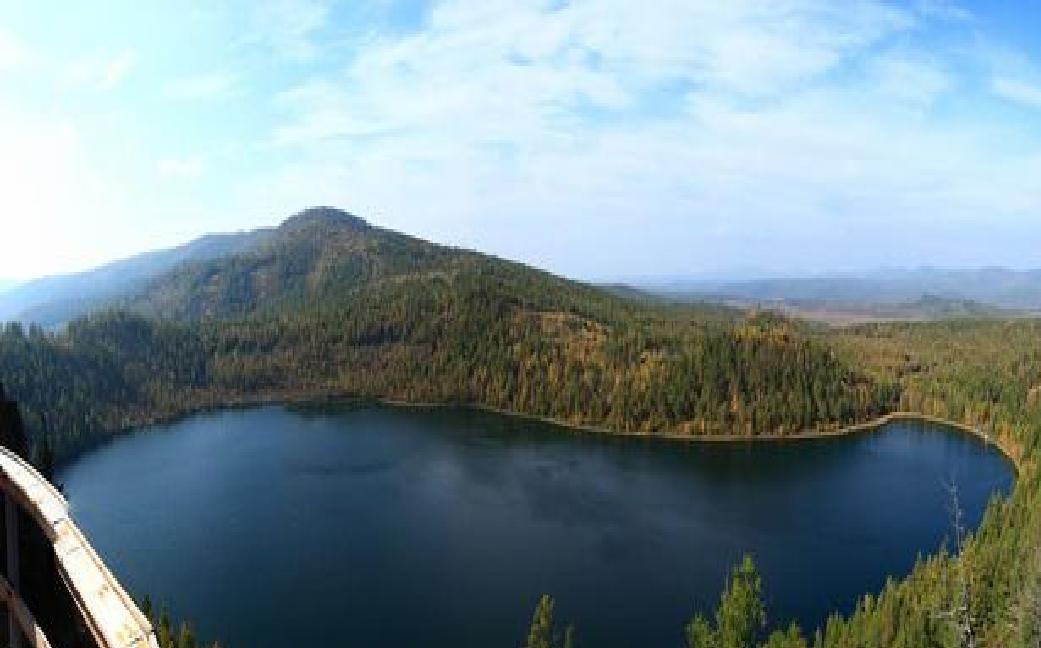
x=599 y=139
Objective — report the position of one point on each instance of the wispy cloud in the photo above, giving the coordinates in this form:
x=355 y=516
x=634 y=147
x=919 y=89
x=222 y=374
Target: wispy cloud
x=203 y=86
x=287 y=27
x=789 y=118
x=13 y=53
x=498 y=69
x=911 y=76
x=187 y=167
x=780 y=129
x=100 y=72
x=946 y=9
x=1019 y=91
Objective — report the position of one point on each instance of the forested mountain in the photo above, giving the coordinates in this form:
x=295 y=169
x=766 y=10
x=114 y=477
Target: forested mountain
x=316 y=257
x=51 y=301
x=330 y=306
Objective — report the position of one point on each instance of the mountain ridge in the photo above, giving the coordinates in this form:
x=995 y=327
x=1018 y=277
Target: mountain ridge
x=233 y=274
x=53 y=300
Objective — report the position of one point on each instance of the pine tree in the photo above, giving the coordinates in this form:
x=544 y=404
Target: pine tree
x=185 y=638
x=740 y=617
x=164 y=632
x=790 y=638
x=540 y=635
x=699 y=633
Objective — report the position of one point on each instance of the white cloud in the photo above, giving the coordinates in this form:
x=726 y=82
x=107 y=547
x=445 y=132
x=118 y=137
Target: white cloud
x=945 y=9
x=742 y=127
x=100 y=72
x=498 y=69
x=793 y=122
x=910 y=76
x=188 y=167
x=12 y=53
x=287 y=26
x=203 y=86
x=1017 y=90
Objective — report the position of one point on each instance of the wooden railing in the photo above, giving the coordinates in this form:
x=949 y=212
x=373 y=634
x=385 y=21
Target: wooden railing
x=110 y=615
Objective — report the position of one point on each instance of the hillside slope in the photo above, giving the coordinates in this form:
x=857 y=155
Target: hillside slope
x=52 y=301
x=320 y=258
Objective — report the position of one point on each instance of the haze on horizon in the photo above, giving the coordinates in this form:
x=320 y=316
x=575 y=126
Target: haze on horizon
x=597 y=139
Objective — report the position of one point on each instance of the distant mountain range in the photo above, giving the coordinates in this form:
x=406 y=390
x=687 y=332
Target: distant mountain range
x=918 y=294
x=54 y=300
x=321 y=253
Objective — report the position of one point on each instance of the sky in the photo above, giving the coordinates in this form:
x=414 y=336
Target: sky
x=599 y=139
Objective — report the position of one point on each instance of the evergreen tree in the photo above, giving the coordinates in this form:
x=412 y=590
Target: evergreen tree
x=700 y=634
x=740 y=616
x=790 y=638
x=542 y=633
x=185 y=638
x=164 y=632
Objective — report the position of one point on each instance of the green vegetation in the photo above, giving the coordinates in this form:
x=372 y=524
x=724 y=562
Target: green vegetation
x=739 y=620
x=543 y=632
x=165 y=634
x=740 y=617
x=328 y=306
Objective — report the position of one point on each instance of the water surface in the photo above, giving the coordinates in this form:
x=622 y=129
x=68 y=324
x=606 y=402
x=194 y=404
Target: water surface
x=373 y=526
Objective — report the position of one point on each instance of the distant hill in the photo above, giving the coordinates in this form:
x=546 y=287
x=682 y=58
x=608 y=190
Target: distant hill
x=54 y=300
x=926 y=308
x=920 y=292
x=7 y=284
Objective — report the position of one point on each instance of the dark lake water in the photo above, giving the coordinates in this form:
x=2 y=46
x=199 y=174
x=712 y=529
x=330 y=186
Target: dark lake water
x=373 y=526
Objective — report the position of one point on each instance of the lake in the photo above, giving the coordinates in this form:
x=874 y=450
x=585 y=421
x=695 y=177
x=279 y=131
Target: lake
x=341 y=525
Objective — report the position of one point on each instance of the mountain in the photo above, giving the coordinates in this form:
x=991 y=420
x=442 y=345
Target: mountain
x=328 y=305
x=316 y=257
x=51 y=301
x=7 y=284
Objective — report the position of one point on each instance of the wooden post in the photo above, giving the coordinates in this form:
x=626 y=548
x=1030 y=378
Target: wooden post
x=14 y=634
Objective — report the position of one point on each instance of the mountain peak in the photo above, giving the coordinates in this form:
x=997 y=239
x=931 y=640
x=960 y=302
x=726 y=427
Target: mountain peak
x=324 y=216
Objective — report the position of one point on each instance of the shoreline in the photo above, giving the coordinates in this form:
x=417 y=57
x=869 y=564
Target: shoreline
x=258 y=400
x=806 y=435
